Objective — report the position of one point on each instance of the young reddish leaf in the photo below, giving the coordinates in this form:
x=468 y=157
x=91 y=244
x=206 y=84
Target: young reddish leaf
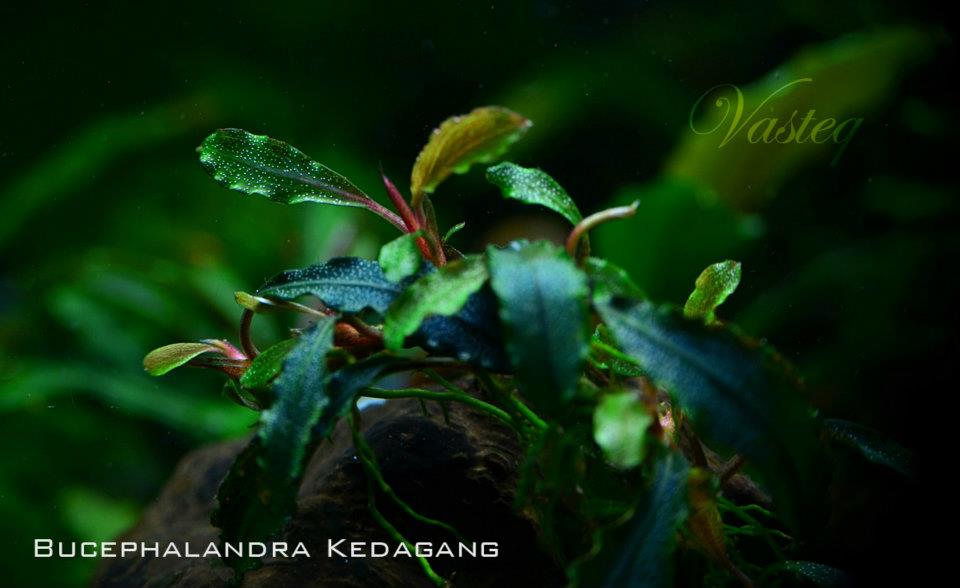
x=478 y=137
x=169 y=357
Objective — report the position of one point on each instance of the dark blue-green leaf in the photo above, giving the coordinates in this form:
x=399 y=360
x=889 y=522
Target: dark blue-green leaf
x=471 y=335
x=644 y=559
x=730 y=387
x=543 y=301
x=259 y=492
x=345 y=284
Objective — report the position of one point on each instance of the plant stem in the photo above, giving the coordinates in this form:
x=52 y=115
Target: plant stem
x=595 y=219
x=246 y=340
x=462 y=397
x=372 y=501
x=490 y=384
x=406 y=213
x=386 y=214
x=369 y=460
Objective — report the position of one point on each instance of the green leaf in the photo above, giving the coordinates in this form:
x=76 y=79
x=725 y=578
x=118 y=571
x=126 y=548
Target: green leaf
x=543 y=300
x=260 y=490
x=645 y=556
x=169 y=357
x=731 y=389
x=401 y=257
x=607 y=356
x=345 y=284
x=713 y=286
x=461 y=141
x=874 y=447
x=620 y=424
x=533 y=186
x=443 y=292
x=266 y=366
x=607 y=278
x=257 y=164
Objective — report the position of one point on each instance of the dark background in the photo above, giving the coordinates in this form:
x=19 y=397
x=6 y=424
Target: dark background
x=114 y=241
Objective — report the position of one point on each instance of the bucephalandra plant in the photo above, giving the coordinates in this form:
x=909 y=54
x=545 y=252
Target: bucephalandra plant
x=621 y=405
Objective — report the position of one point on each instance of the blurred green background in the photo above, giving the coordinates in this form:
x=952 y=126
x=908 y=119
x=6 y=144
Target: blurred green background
x=114 y=241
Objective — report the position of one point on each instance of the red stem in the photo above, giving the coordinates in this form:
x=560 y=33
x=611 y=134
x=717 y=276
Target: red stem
x=406 y=213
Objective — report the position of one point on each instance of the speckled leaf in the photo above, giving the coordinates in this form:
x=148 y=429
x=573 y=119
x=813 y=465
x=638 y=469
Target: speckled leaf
x=620 y=423
x=874 y=447
x=713 y=286
x=401 y=257
x=644 y=558
x=461 y=141
x=259 y=492
x=533 y=186
x=257 y=164
x=735 y=395
x=819 y=574
x=345 y=284
x=441 y=292
x=543 y=300
x=169 y=357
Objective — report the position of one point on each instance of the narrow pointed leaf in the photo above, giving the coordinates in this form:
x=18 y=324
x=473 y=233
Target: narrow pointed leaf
x=730 y=388
x=169 y=357
x=345 y=284
x=401 y=257
x=453 y=231
x=645 y=556
x=441 y=292
x=461 y=141
x=871 y=444
x=257 y=164
x=259 y=492
x=713 y=286
x=543 y=300
x=533 y=186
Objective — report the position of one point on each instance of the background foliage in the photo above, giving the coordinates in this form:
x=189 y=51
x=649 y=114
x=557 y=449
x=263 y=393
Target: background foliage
x=114 y=240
